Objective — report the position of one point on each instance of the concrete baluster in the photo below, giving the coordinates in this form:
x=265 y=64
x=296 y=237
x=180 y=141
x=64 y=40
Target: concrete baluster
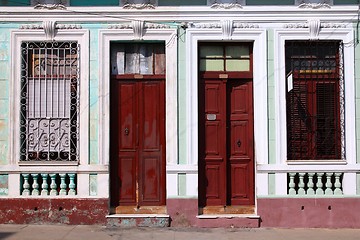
x=337 y=190
x=319 y=184
x=53 y=185
x=301 y=190
x=292 y=184
x=44 y=185
x=35 y=185
x=26 y=185
x=72 y=185
x=328 y=190
x=310 y=190
x=62 y=184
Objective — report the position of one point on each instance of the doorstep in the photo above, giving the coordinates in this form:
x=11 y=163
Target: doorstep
x=138 y=220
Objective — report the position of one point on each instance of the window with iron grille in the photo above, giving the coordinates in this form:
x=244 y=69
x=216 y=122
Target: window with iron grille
x=314 y=100
x=49 y=121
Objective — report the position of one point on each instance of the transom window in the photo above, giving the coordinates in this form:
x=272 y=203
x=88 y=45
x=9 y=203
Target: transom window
x=135 y=58
x=314 y=100
x=49 y=121
x=229 y=57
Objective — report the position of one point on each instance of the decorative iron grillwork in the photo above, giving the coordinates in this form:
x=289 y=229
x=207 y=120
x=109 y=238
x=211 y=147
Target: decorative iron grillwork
x=49 y=123
x=315 y=100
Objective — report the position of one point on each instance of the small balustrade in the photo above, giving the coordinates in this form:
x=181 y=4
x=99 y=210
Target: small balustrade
x=48 y=184
x=319 y=183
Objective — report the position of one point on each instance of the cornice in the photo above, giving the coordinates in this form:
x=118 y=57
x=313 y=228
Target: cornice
x=183 y=14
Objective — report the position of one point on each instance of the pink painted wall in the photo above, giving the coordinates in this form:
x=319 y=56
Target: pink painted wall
x=310 y=212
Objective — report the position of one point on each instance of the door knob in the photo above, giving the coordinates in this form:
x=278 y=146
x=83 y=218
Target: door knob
x=238 y=143
x=126 y=131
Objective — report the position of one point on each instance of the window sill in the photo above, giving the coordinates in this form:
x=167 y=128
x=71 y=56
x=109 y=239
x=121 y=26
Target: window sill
x=48 y=163
x=316 y=162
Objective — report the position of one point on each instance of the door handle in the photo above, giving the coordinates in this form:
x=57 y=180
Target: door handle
x=238 y=143
x=126 y=131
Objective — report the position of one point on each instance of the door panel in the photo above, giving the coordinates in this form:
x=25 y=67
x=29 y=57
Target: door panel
x=151 y=182
x=139 y=117
x=214 y=171
x=151 y=116
x=239 y=94
x=127 y=180
x=226 y=142
x=215 y=164
x=127 y=110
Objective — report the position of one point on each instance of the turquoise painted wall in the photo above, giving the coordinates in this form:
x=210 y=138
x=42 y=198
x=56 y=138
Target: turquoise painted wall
x=4 y=91
x=93 y=91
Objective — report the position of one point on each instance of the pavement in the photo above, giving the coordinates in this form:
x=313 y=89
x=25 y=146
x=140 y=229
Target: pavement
x=94 y=232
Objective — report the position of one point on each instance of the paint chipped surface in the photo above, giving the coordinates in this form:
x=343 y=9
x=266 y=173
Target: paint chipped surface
x=138 y=222
x=54 y=211
x=4 y=185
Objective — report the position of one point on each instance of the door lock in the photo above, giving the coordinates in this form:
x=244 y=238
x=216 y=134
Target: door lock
x=126 y=131
x=238 y=143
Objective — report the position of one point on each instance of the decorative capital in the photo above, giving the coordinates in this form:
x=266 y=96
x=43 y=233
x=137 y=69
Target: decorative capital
x=138 y=28
x=314 y=28
x=49 y=29
x=227 y=28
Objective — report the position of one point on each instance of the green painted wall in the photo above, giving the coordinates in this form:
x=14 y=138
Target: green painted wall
x=357 y=95
x=182 y=95
x=271 y=97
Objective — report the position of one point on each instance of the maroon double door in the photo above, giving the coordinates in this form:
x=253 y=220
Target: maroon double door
x=226 y=142
x=138 y=142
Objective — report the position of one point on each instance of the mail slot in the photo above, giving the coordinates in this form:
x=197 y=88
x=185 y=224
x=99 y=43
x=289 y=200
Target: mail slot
x=211 y=117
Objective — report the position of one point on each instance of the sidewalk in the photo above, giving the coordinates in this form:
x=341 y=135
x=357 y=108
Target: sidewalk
x=50 y=232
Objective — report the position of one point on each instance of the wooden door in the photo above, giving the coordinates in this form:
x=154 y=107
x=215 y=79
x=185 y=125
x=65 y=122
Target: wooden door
x=138 y=138
x=240 y=149
x=226 y=148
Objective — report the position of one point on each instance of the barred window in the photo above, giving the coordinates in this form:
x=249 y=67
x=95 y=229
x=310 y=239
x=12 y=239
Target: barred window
x=49 y=121
x=314 y=100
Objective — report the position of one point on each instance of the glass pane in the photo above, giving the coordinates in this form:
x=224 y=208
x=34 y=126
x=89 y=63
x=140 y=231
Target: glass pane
x=146 y=59
x=237 y=52
x=211 y=52
x=211 y=65
x=237 y=65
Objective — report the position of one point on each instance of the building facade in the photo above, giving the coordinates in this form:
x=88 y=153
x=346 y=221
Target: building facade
x=180 y=113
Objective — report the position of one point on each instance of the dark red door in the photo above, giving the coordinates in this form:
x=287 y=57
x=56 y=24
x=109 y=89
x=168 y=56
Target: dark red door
x=138 y=142
x=226 y=151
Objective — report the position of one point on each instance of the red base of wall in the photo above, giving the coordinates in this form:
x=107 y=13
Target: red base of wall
x=183 y=213
x=283 y=212
x=50 y=211
x=310 y=212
